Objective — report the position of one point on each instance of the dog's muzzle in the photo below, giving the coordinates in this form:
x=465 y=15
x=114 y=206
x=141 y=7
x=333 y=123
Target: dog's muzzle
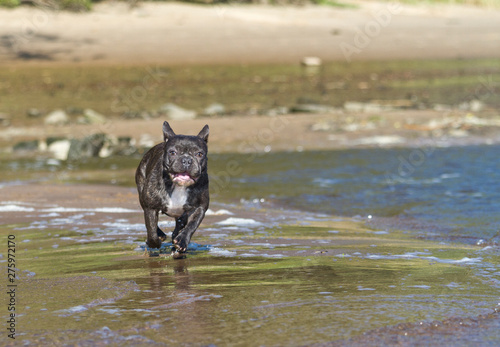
x=183 y=179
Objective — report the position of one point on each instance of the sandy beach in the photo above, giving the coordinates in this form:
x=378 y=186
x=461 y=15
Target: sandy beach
x=170 y=34
x=114 y=33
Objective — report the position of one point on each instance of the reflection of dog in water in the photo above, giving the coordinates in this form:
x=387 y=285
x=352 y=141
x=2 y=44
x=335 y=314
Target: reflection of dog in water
x=172 y=178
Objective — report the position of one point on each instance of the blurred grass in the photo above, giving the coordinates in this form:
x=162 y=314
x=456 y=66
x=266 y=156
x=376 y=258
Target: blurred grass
x=9 y=3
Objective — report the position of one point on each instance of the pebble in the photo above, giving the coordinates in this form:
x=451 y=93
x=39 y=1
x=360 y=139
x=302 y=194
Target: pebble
x=174 y=112
x=57 y=117
x=34 y=113
x=214 y=109
x=4 y=120
x=92 y=117
x=311 y=61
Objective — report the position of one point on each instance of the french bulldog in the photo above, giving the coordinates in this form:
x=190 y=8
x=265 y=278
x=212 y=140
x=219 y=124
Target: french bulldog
x=172 y=179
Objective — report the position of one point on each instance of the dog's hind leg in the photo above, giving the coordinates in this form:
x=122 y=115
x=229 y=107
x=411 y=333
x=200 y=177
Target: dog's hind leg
x=151 y=219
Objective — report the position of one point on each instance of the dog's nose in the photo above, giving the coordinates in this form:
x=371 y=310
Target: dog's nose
x=186 y=161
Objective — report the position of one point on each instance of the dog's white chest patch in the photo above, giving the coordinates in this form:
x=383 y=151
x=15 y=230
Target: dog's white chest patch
x=178 y=199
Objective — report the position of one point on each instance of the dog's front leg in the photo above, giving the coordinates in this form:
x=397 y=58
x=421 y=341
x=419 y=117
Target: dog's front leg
x=180 y=223
x=182 y=240
x=151 y=220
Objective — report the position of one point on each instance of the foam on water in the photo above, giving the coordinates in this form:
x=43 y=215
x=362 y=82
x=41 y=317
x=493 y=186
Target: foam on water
x=422 y=286
x=10 y=206
x=15 y=208
x=218 y=212
x=120 y=226
x=74 y=309
x=413 y=255
x=380 y=232
x=361 y=288
x=240 y=222
x=218 y=236
x=265 y=255
x=215 y=251
x=53 y=214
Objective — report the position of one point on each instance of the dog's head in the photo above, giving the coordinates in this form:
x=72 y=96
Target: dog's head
x=185 y=156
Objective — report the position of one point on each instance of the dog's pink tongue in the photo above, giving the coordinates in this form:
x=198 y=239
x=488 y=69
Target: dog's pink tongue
x=182 y=177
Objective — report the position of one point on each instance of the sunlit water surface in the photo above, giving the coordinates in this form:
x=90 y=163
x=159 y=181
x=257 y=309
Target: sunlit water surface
x=451 y=193
x=307 y=248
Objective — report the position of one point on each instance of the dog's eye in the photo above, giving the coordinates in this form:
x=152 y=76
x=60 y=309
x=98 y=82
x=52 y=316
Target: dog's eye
x=200 y=154
x=172 y=152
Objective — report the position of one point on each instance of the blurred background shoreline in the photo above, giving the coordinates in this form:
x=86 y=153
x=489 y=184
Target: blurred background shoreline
x=365 y=74
x=186 y=34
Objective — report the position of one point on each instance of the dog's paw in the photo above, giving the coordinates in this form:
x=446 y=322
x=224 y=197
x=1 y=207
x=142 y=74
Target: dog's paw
x=153 y=252
x=154 y=243
x=161 y=235
x=180 y=243
x=178 y=255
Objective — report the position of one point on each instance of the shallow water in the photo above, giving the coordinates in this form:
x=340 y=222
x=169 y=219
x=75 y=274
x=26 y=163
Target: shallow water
x=450 y=193
x=272 y=264
x=83 y=279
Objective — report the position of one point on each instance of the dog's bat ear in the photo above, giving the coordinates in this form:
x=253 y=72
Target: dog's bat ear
x=167 y=131
x=204 y=133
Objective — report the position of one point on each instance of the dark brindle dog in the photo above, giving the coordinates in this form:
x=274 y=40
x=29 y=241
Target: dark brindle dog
x=172 y=178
